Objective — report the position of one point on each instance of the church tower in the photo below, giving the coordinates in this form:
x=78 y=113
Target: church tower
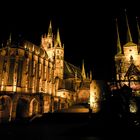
x=55 y=51
x=127 y=59
x=59 y=56
x=47 y=42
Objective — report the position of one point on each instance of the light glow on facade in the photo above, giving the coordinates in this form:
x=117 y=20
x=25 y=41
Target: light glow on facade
x=41 y=80
x=2 y=86
x=95 y=96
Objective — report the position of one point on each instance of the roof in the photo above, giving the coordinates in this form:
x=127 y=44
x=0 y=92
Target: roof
x=129 y=44
x=132 y=70
x=71 y=70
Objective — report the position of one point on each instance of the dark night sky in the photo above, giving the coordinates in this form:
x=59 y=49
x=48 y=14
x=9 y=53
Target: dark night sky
x=87 y=29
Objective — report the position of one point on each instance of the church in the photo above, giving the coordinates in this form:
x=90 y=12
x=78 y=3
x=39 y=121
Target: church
x=37 y=79
x=127 y=60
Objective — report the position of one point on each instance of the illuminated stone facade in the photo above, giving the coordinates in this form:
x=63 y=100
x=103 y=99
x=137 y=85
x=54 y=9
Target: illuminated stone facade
x=127 y=62
x=95 y=95
x=37 y=79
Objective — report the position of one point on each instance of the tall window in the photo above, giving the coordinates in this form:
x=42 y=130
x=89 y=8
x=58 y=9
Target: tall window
x=40 y=70
x=11 y=72
x=19 y=72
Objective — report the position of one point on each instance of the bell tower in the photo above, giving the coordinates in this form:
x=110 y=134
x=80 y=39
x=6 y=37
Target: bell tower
x=47 y=41
x=59 y=56
x=55 y=51
x=127 y=57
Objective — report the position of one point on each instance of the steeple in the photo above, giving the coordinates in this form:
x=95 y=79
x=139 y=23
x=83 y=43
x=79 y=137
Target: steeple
x=129 y=37
x=87 y=76
x=9 y=40
x=119 y=50
x=90 y=75
x=58 y=41
x=138 y=34
x=50 y=29
x=2 y=45
x=83 y=71
x=63 y=46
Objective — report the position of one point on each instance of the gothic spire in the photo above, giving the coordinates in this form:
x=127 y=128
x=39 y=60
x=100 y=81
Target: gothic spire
x=90 y=75
x=9 y=40
x=83 y=71
x=58 y=41
x=129 y=37
x=50 y=29
x=119 y=50
x=138 y=34
x=63 y=46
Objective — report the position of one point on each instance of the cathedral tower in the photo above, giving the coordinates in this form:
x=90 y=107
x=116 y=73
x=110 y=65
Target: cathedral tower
x=127 y=60
x=59 y=56
x=55 y=51
x=47 y=41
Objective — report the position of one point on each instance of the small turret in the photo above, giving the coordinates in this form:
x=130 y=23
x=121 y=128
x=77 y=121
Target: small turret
x=9 y=40
x=90 y=76
x=87 y=76
x=83 y=71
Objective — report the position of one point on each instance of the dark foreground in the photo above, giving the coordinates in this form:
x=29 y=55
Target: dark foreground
x=73 y=125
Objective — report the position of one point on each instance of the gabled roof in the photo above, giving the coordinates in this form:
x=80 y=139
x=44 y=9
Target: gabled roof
x=129 y=44
x=132 y=70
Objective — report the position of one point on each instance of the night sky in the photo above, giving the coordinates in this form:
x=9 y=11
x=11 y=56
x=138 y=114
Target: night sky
x=87 y=29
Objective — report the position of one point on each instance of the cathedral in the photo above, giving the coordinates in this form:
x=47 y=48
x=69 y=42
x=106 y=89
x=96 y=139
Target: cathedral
x=37 y=79
x=127 y=61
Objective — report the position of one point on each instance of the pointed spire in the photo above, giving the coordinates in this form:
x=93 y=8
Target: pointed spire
x=138 y=34
x=129 y=37
x=9 y=40
x=58 y=41
x=2 y=44
x=90 y=75
x=50 y=29
x=63 y=46
x=119 y=50
x=10 y=36
x=83 y=71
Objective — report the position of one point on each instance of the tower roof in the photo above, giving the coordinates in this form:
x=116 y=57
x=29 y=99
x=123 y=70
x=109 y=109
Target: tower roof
x=83 y=71
x=119 y=50
x=70 y=71
x=50 y=29
x=58 y=41
x=129 y=37
x=129 y=44
x=132 y=70
x=138 y=29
